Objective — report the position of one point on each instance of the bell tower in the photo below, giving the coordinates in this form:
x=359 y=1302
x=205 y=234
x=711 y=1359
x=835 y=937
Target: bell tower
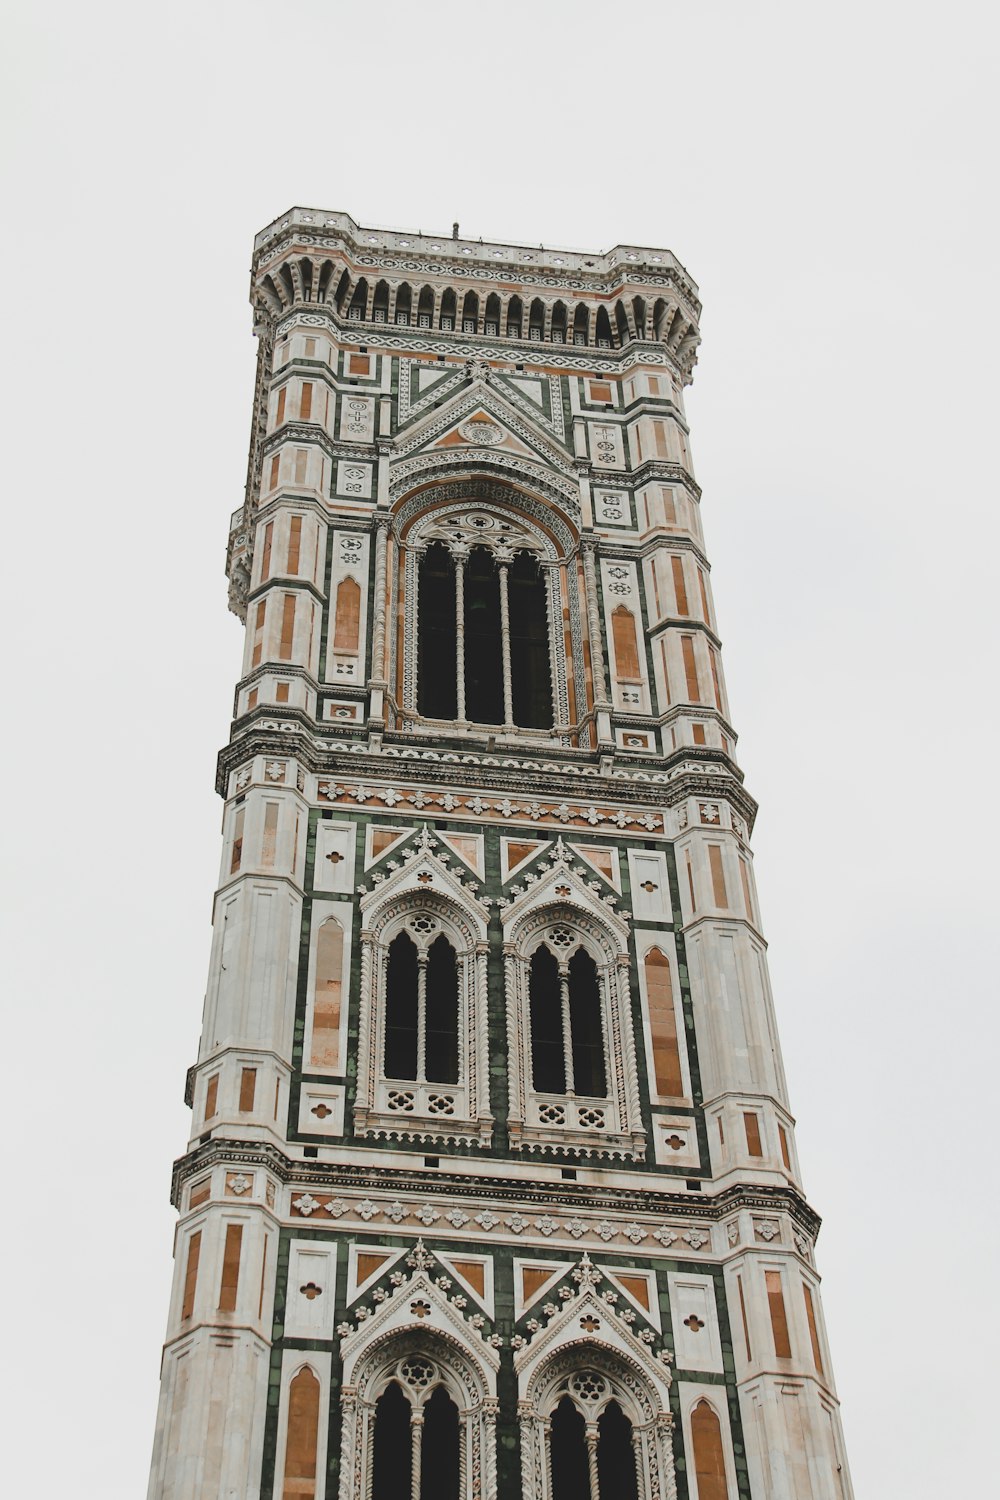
x=492 y=1190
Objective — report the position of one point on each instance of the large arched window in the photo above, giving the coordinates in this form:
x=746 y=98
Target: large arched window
x=422 y=1049
x=421 y=1012
x=416 y=1432
x=567 y=1043
x=483 y=638
x=595 y=1422
x=573 y=1078
x=436 y=635
x=418 y=1422
x=591 y=1437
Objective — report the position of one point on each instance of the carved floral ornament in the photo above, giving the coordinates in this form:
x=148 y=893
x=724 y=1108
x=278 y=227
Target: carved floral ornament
x=417 y=1327
x=542 y=813
x=481 y=432
x=460 y=529
x=602 y=1231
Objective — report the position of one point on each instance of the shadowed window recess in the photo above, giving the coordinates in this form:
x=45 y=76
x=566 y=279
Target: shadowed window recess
x=573 y=1441
x=483 y=639
x=416 y=1441
x=567 y=1037
x=421 y=1012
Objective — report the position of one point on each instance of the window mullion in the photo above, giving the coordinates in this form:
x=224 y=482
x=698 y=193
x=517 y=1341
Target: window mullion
x=592 y=1474
x=416 y=1442
x=508 y=687
x=459 y=636
x=423 y=958
x=567 y=1030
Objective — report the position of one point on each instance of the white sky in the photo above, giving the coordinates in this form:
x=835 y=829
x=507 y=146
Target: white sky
x=827 y=175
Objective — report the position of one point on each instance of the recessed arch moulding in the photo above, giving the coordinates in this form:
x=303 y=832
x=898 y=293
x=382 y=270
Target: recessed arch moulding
x=478 y=510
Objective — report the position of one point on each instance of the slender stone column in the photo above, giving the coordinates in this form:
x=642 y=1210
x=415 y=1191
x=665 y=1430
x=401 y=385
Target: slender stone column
x=416 y=1441
x=595 y=1487
x=508 y=685
x=567 y=1030
x=423 y=958
x=640 y=1462
x=460 y=636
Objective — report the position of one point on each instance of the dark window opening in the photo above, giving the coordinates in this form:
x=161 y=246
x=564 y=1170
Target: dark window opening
x=442 y=1013
x=585 y=1025
x=437 y=639
x=380 y=303
x=616 y=1475
x=436 y=690
x=448 y=310
x=392 y=1447
x=483 y=669
x=548 y=1063
x=439 y=1469
x=570 y=1475
x=529 y=644
x=359 y=300
x=557 y=1003
x=401 y=1009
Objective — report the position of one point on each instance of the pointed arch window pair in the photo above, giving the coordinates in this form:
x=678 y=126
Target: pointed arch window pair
x=592 y=1460
x=483 y=639
x=416 y=1453
x=421 y=1012
x=567 y=1035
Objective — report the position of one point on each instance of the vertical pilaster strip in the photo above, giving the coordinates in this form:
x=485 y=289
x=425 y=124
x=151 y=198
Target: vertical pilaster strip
x=518 y=1061
x=378 y=678
x=601 y=700
x=480 y=1049
x=366 y=1029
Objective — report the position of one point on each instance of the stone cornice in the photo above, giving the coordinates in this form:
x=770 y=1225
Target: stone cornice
x=693 y=771
x=569 y=1197
x=506 y=261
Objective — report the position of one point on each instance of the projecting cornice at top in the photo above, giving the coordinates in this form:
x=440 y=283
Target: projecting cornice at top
x=441 y=254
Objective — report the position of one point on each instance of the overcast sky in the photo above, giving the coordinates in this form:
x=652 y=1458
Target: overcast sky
x=827 y=174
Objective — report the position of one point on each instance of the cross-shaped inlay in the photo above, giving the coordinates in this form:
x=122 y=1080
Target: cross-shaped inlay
x=649 y=886
x=675 y=1142
x=590 y=1324
x=694 y=1323
x=321 y=1111
x=311 y=1290
x=334 y=857
x=420 y=1309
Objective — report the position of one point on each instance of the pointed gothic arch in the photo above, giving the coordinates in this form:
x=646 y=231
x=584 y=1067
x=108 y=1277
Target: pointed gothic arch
x=422 y=1061
x=459 y=547
x=591 y=1409
x=425 y=1392
x=569 y=1012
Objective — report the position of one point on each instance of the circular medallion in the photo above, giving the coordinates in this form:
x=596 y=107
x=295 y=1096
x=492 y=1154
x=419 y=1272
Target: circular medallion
x=481 y=431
